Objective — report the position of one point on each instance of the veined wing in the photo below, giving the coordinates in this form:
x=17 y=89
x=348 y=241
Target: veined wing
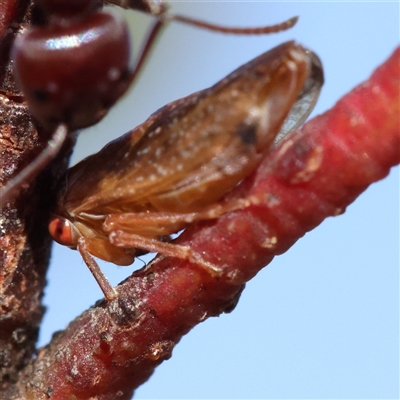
x=212 y=138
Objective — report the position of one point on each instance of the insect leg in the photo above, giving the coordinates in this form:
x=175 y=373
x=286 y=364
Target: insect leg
x=105 y=286
x=160 y=10
x=122 y=228
x=165 y=223
x=152 y=36
x=14 y=185
x=148 y=224
x=155 y=31
x=120 y=238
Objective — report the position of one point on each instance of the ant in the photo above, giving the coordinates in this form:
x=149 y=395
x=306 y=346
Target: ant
x=75 y=65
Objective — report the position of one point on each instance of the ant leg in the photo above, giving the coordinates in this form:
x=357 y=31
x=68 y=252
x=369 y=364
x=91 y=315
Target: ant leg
x=152 y=36
x=120 y=238
x=105 y=286
x=160 y=10
x=153 y=7
x=14 y=185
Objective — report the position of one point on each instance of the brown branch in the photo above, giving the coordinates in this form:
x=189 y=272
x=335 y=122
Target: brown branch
x=24 y=239
x=316 y=173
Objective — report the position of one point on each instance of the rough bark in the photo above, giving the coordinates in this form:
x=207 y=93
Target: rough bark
x=24 y=240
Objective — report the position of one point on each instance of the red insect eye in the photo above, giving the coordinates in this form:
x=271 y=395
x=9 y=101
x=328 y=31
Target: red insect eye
x=62 y=232
x=73 y=73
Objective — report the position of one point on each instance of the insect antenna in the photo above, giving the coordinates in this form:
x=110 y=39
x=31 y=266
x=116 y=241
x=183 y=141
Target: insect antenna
x=262 y=30
x=142 y=261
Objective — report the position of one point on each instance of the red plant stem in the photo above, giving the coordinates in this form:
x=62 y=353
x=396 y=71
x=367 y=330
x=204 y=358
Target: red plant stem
x=316 y=173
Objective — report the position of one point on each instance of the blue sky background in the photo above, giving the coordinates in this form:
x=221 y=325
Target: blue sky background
x=322 y=320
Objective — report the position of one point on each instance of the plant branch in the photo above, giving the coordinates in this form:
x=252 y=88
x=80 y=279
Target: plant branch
x=315 y=173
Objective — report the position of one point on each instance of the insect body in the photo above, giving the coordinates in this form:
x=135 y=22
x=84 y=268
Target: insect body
x=172 y=169
x=75 y=65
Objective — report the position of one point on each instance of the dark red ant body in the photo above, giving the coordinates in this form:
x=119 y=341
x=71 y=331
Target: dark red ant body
x=75 y=66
